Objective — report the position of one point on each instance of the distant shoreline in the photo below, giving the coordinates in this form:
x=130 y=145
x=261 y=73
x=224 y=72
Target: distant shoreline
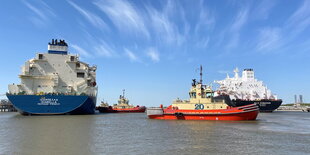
x=292 y=104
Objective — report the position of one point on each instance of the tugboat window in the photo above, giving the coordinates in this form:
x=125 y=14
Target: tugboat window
x=78 y=65
x=72 y=58
x=80 y=75
x=40 y=56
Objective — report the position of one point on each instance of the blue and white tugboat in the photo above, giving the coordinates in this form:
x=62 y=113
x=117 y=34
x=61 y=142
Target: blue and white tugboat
x=55 y=83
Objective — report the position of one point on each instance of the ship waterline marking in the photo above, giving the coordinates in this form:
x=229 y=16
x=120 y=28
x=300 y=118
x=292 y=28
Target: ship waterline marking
x=48 y=101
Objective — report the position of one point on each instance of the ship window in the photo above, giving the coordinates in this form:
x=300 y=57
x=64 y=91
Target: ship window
x=40 y=56
x=72 y=58
x=78 y=65
x=80 y=75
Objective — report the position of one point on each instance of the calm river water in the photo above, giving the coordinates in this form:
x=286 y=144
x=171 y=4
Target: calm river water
x=271 y=133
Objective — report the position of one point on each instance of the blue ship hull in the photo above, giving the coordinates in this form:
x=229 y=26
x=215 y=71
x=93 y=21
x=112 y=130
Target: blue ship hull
x=53 y=104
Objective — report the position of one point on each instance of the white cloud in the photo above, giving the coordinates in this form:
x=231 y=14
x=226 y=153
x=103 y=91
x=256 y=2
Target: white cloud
x=206 y=20
x=272 y=38
x=300 y=20
x=240 y=20
x=153 y=54
x=301 y=13
x=269 y=39
x=80 y=50
x=103 y=49
x=123 y=15
x=91 y=17
x=36 y=10
x=131 y=55
x=164 y=28
x=263 y=9
x=43 y=12
x=203 y=42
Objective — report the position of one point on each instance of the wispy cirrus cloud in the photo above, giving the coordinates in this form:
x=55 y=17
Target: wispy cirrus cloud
x=269 y=39
x=272 y=38
x=206 y=19
x=80 y=50
x=123 y=14
x=132 y=57
x=203 y=42
x=104 y=49
x=240 y=20
x=300 y=19
x=205 y=25
x=262 y=10
x=42 y=11
x=153 y=54
x=164 y=28
x=94 y=19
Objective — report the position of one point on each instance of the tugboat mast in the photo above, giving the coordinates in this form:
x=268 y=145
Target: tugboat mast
x=200 y=74
x=123 y=93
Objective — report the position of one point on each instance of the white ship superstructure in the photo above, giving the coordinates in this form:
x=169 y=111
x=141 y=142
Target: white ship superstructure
x=245 y=87
x=56 y=72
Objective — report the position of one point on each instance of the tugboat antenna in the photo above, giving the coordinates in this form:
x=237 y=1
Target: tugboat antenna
x=123 y=93
x=200 y=74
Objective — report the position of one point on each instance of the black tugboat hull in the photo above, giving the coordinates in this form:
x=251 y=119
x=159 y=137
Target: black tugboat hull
x=264 y=105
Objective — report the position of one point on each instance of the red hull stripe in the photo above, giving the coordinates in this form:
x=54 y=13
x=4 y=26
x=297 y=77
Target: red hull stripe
x=205 y=113
x=234 y=117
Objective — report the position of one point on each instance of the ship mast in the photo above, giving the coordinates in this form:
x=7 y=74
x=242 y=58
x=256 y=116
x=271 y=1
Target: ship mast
x=123 y=93
x=200 y=74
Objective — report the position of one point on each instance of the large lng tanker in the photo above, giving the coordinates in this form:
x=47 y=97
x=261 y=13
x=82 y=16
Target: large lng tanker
x=55 y=83
x=248 y=90
x=202 y=105
x=122 y=106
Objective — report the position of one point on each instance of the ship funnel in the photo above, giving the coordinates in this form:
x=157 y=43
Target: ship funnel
x=57 y=47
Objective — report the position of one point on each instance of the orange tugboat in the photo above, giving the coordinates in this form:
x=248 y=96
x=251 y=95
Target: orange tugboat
x=122 y=106
x=204 y=106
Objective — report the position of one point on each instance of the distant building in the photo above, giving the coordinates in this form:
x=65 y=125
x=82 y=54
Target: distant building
x=298 y=100
x=6 y=106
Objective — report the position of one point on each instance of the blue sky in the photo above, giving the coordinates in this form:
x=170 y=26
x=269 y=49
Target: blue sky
x=153 y=48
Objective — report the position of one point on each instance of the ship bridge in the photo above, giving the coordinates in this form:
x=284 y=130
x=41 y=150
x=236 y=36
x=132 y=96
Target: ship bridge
x=58 y=47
